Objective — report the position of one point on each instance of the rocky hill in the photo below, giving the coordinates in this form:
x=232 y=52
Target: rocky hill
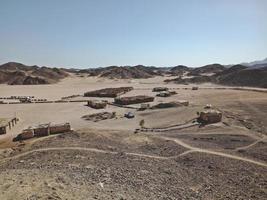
x=18 y=74
x=179 y=70
x=124 y=72
x=256 y=63
x=237 y=75
x=243 y=76
x=207 y=69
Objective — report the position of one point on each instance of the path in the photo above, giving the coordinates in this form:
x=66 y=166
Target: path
x=196 y=149
x=80 y=149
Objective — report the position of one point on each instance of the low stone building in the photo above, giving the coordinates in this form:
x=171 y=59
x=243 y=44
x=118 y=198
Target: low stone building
x=160 y=89
x=144 y=106
x=47 y=129
x=164 y=94
x=2 y=129
x=210 y=116
x=43 y=130
x=96 y=104
x=133 y=100
x=4 y=123
x=172 y=104
x=25 y=100
x=108 y=92
x=183 y=102
x=26 y=134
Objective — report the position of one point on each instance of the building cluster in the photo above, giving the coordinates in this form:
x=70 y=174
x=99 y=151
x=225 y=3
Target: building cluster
x=43 y=130
x=205 y=117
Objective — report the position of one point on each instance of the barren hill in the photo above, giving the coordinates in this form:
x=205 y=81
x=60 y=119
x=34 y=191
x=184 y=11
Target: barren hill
x=237 y=75
x=124 y=72
x=18 y=74
x=254 y=77
x=212 y=68
x=179 y=70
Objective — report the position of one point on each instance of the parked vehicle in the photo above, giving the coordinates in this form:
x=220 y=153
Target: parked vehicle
x=129 y=115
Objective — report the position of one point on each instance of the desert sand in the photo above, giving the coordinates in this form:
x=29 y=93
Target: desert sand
x=106 y=160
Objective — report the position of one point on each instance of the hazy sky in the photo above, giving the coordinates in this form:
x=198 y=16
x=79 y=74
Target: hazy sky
x=92 y=33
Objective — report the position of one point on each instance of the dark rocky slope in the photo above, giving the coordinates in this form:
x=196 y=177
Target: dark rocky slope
x=237 y=75
x=18 y=74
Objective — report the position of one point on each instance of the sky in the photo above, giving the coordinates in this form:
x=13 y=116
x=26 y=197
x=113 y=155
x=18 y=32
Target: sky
x=97 y=33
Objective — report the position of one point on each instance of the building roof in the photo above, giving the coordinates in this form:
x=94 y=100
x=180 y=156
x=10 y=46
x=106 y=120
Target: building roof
x=211 y=111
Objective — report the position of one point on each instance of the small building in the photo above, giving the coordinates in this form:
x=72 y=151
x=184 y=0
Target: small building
x=26 y=134
x=210 y=116
x=183 y=102
x=2 y=129
x=172 y=92
x=59 y=128
x=40 y=130
x=25 y=100
x=160 y=89
x=144 y=106
x=164 y=94
x=96 y=104
x=4 y=123
x=208 y=106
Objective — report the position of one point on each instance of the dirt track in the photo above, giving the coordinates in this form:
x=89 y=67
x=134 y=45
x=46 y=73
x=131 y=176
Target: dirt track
x=191 y=149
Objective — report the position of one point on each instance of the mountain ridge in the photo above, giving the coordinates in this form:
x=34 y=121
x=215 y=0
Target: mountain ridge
x=13 y=73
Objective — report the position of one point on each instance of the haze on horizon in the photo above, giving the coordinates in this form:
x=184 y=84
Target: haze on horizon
x=88 y=33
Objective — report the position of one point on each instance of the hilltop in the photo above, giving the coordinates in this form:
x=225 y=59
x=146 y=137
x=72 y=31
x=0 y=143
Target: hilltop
x=237 y=75
x=14 y=73
x=123 y=72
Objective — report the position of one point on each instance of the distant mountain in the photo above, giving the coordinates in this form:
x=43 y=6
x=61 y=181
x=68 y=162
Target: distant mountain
x=179 y=70
x=207 y=69
x=14 y=73
x=140 y=71
x=259 y=63
x=254 y=75
x=237 y=75
x=124 y=72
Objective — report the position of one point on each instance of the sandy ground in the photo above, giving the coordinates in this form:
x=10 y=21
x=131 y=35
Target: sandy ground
x=239 y=141
x=33 y=114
